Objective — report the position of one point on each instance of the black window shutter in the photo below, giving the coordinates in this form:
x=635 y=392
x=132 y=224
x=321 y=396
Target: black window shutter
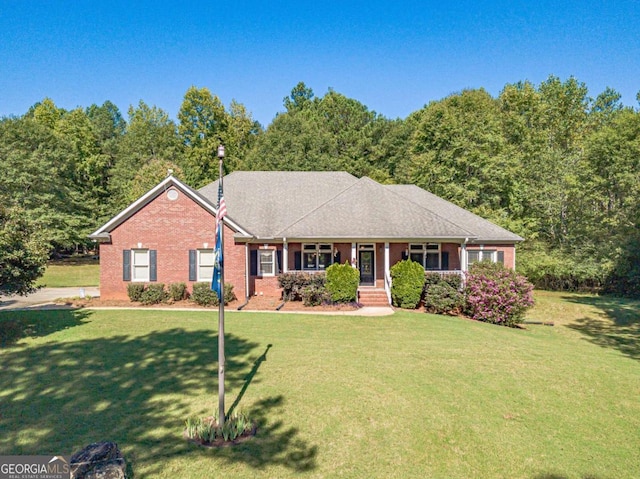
x=278 y=261
x=501 y=257
x=153 y=265
x=444 y=261
x=337 y=258
x=297 y=260
x=253 y=263
x=193 y=276
x=126 y=265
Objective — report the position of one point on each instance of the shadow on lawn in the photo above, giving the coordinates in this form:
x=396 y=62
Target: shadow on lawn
x=617 y=327
x=137 y=391
x=16 y=325
x=560 y=476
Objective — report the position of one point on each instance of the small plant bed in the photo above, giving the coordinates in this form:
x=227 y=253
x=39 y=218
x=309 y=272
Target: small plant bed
x=206 y=431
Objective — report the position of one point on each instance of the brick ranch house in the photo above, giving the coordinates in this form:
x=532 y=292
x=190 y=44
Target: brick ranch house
x=291 y=221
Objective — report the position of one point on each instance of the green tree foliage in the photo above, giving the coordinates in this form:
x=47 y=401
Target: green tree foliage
x=150 y=137
x=36 y=166
x=332 y=133
x=205 y=124
x=458 y=152
x=23 y=251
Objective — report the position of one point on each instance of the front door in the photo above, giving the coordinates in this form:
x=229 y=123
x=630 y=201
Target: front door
x=366 y=263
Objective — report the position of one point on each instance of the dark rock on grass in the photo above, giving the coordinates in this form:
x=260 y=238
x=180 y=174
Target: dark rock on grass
x=100 y=460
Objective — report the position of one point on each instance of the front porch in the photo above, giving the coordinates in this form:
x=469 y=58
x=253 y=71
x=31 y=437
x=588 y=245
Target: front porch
x=372 y=259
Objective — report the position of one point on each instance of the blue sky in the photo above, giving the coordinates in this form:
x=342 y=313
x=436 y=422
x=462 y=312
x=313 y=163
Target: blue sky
x=393 y=56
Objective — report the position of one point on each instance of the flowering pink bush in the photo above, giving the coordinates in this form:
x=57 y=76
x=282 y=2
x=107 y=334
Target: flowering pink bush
x=496 y=294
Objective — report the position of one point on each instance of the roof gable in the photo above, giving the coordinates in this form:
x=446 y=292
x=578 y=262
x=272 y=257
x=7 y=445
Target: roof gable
x=103 y=232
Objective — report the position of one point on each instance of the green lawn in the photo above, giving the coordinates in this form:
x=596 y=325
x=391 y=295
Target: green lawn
x=71 y=273
x=410 y=395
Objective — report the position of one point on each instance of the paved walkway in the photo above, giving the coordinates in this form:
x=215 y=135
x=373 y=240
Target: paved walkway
x=43 y=298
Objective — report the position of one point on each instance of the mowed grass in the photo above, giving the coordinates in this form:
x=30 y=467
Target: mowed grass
x=71 y=273
x=410 y=395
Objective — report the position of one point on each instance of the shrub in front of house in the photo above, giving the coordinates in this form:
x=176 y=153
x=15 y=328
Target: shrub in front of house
x=293 y=284
x=177 y=291
x=342 y=283
x=442 y=298
x=153 y=293
x=407 y=283
x=497 y=294
x=203 y=295
x=229 y=295
x=134 y=291
x=314 y=295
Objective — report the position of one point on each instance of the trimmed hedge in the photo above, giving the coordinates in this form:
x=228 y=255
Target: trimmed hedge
x=153 y=293
x=294 y=284
x=177 y=291
x=342 y=283
x=407 y=283
x=442 y=298
x=134 y=291
x=203 y=295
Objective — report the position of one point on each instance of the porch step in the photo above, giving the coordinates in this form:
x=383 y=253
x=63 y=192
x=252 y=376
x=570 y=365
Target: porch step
x=372 y=297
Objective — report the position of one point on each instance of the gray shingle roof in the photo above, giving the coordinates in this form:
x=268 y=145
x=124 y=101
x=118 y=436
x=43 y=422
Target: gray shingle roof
x=368 y=210
x=483 y=229
x=333 y=205
x=265 y=202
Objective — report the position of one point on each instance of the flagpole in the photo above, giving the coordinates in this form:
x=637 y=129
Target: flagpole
x=221 y=358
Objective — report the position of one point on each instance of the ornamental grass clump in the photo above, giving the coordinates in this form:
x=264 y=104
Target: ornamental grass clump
x=208 y=432
x=497 y=294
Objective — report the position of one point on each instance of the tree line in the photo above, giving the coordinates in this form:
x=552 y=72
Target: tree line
x=548 y=162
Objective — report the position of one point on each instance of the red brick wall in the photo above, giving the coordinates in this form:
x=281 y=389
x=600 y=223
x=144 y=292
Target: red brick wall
x=266 y=285
x=508 y=250
x=172 y=228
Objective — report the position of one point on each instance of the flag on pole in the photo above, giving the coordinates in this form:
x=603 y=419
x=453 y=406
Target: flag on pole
x=218 y=263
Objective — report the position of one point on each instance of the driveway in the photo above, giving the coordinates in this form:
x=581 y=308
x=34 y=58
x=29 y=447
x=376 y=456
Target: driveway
x=44 y=297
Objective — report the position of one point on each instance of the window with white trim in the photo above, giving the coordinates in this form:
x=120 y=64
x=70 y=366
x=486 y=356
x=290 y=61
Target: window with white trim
x=316 y=256
x=427 y=254
x=476 y=255
x=266 y=262
x=206 y=259
x=140 y=265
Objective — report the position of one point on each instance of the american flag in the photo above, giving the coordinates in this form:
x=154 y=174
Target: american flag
x=222 y=210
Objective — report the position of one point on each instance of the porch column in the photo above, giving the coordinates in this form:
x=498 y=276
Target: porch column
x=353 y=253
x=247 y=270
x=386 y=267
x=285 y=256
x=463 y=256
